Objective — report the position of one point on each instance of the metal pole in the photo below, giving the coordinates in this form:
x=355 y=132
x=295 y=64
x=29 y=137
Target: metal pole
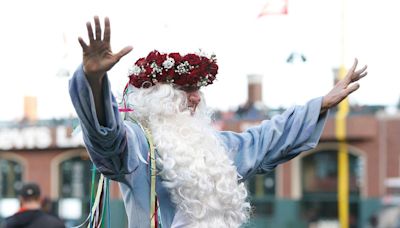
x=343 y=156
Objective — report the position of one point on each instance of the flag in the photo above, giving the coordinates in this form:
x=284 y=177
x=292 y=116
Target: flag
x=274 y=7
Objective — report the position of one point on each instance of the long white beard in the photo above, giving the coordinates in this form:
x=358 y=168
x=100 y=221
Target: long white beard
x=200 y=177
x=195 y=168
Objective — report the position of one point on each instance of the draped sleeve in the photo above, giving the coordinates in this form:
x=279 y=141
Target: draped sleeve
x=116 y=147
x=260 y=149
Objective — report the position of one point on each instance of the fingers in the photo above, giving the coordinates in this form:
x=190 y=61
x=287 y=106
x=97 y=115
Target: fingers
x=97 y=27
x=90 y=32
x=353 y=75
x=359 y=74
x=350 y=73
x=123 y=52
x=83 y=44
x=362 y=75
x=107 y=30
x=357 y=77
x=361 y=70
x=352 y=88
x=353 y=68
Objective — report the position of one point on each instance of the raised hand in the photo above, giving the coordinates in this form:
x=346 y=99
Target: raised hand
x=344 y=87
x=97 y=56
x=97 y=60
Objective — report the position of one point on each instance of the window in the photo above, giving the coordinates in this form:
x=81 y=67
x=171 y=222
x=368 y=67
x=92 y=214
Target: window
x=320 y=183
x=320 y=172
x=10 y=181
x=262 y=191
x=75 y=187
x=75 y=177
x=10 y=178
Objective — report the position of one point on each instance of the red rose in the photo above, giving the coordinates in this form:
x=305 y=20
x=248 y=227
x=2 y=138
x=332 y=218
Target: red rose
x=195 y=75
x=134 y=81
x=141 y=62
x=170 y=73
x=148 y=70
x=200 y=68
x=181 y=80
x=193 y=59
x=140 y=81
x=152 y=56
x=160 y=59
x=203 y=66
x=176 y=56
x=213 y=68
x=162 y=77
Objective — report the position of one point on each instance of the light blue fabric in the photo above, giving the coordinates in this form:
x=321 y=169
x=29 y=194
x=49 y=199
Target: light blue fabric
x=116 y=147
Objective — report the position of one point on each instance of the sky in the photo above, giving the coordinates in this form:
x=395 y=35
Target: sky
x=39 y=39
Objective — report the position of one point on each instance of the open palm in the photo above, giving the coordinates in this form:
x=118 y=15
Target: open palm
x=97 y=56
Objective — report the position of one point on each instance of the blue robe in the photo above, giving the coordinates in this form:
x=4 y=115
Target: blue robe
x=117 y=147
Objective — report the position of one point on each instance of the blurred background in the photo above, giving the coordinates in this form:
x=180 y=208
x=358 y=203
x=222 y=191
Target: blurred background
x=272 y=54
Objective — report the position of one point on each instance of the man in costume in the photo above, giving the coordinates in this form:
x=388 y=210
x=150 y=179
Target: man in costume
x=199 y=172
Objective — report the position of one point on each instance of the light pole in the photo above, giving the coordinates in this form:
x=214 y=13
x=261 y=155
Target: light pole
x=340 y=131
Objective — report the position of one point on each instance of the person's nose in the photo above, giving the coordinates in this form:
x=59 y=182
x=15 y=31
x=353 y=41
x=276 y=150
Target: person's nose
x=194 y=97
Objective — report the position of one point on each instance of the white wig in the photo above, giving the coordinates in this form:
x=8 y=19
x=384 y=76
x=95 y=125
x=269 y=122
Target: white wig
x=195 y=167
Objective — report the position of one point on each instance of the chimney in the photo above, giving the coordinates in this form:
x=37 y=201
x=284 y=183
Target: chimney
x=254 y=89
x=30 y=108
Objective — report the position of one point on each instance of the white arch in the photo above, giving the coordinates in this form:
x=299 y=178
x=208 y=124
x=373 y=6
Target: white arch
x=54 y=167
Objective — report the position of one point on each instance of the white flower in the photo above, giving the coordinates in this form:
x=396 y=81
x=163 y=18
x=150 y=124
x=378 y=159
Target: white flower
x=135 y=70
x=168 y=63
x=156 y=69
x=183 y=68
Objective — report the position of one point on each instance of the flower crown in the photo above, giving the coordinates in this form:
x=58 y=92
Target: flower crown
x=190 y=71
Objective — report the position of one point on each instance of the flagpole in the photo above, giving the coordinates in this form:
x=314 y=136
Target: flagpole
x=341 y=125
